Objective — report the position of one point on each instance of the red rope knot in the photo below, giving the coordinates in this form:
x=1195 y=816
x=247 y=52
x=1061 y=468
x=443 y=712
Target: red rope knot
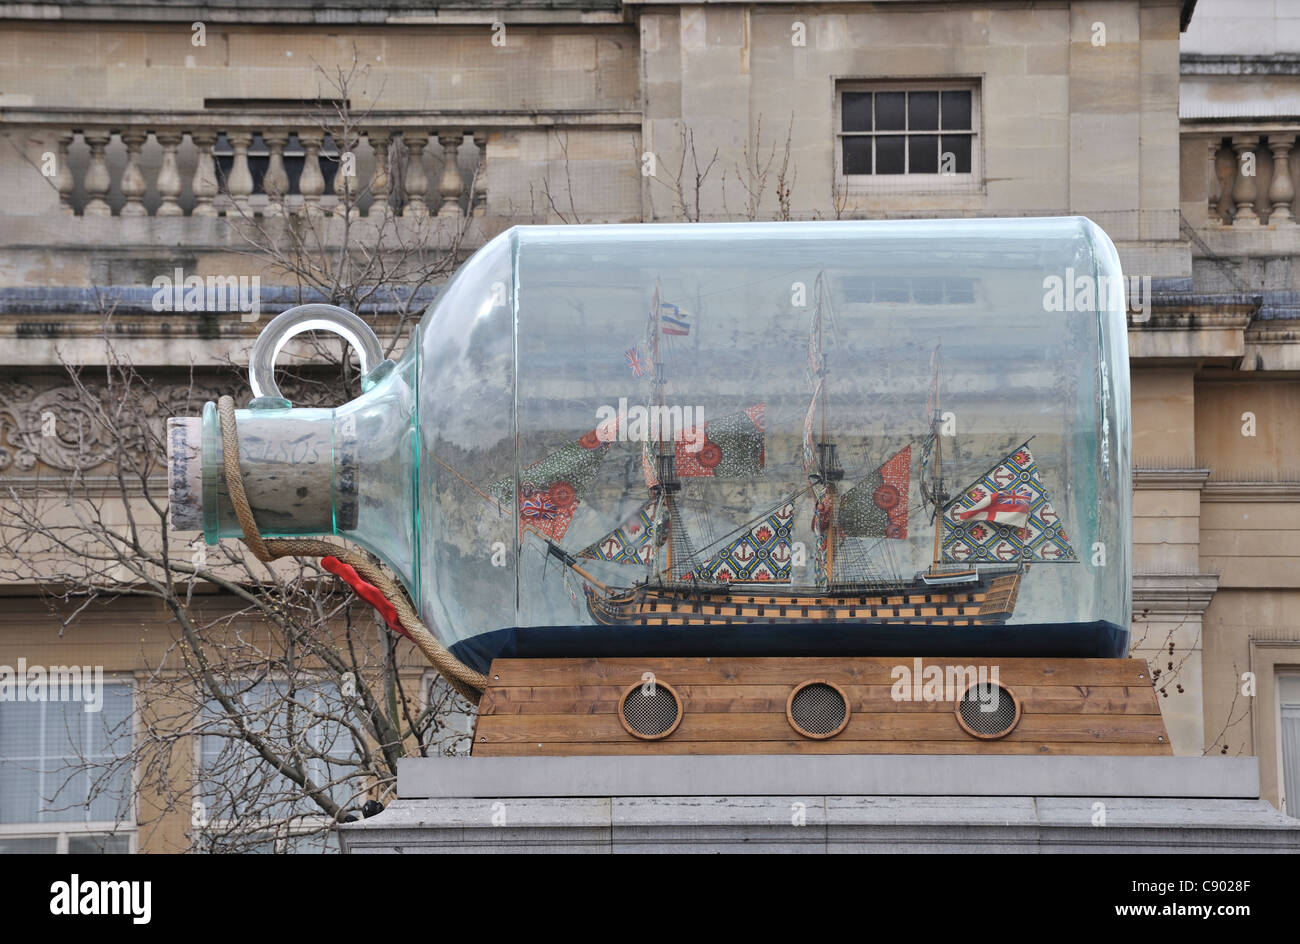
x=367 y=591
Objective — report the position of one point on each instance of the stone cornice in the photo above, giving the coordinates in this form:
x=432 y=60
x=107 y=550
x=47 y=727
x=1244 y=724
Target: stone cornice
x=1251 y=492
x=325 y=13
x=1170 y=479
x=1184 y=326
x=1193 y=315
x=1192 y=63
x=89 y=486
x=1272 y=637
x=174 y=237
x=70 y=302
x=1179 y=594
x=1274 y=332
x=156 y=339
x=255 y=119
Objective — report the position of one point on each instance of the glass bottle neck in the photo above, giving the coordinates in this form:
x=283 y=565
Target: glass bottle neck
x=349 y=471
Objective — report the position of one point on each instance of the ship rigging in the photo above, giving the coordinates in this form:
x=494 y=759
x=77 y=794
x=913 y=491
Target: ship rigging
x=984 y=537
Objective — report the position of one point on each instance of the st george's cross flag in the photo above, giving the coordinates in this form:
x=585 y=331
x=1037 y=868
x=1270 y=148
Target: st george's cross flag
x=1010 y=508
x=1005 y=516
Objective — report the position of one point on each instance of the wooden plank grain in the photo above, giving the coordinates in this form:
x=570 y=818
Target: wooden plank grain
x=863 y=726
x=748 y=699
x=737 y=705
x=802 y=746
x=842 y=670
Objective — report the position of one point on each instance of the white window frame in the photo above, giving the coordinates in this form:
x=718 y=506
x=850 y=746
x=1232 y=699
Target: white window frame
x=1285 y=677
x=60 y=832
x=909 y=184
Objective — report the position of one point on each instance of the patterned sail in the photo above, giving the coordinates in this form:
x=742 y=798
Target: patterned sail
x=550 y=489
x=732 y=447
x=877 y=506
x=1004 y=517
x=761 y=554
x=629 y=543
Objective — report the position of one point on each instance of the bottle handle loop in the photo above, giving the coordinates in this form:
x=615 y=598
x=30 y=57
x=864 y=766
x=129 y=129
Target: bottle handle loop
x=311 y=317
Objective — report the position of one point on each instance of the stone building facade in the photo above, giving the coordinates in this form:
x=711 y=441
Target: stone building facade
x=136 y=135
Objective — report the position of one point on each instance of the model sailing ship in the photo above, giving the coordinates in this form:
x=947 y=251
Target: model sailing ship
x=985 y=537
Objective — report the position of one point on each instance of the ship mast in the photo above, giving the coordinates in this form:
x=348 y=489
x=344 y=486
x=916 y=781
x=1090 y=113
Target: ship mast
x=666 y=483
x=937 y=495
x=932 y=490
x=828 y=467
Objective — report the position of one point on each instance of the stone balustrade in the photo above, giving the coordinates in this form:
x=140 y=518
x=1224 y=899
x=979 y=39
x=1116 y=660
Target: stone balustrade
x=1250 y=178
x=213 y=165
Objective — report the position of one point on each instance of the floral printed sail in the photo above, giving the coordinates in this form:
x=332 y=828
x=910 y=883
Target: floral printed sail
x=629 y=543
x=1004 y=517
x=761 y=554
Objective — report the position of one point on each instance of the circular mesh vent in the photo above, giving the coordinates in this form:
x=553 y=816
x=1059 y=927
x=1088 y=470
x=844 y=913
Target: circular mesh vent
x=987 y=710
x=650 y=710
x=818 y=710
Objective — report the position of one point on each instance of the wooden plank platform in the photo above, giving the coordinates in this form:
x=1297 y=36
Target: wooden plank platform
x=739 y=706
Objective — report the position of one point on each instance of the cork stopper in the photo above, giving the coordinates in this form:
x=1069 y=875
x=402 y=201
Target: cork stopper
x=299 y=470
x=185 y=473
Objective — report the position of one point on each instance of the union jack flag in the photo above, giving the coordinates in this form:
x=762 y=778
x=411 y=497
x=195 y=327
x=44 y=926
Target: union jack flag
x=537 y=508
x=635 y=361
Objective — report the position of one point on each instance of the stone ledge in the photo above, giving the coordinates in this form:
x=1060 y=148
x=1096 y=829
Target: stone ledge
x=824 y=823
x=1179 y=594
x=336 y=13
x=1250 y=492
x=1189 y=479
x=178 y=240
x=829 y=774
x=827 y=803
x=1237 y=64
x=245 y=119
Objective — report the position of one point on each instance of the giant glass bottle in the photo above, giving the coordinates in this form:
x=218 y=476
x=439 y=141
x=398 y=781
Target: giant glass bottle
x=786 y=438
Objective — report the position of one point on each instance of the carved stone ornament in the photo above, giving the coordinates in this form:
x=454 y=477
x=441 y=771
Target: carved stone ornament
x=74 y=430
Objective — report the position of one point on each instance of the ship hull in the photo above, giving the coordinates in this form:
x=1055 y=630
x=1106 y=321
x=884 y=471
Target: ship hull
x=986 y=599
x=1051 y=640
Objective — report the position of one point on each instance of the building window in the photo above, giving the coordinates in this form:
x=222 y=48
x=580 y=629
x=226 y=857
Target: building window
x=908 y=290
x=244 y=803
x=67 y=840
x=907 y=136
x=65 y=774
x=1288 y=690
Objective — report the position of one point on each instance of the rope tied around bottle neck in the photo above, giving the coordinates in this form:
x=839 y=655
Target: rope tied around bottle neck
x=461 y=677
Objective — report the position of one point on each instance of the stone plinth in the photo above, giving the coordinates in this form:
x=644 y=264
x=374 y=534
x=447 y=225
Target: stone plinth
x=827 y=803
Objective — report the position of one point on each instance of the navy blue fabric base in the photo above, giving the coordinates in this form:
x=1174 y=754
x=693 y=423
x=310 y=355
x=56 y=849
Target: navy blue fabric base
x=1098 y=640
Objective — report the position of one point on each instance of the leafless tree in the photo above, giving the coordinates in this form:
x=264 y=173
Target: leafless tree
x=570 y=215
x=293 y=696
x=758 y=168
x=688 y=180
